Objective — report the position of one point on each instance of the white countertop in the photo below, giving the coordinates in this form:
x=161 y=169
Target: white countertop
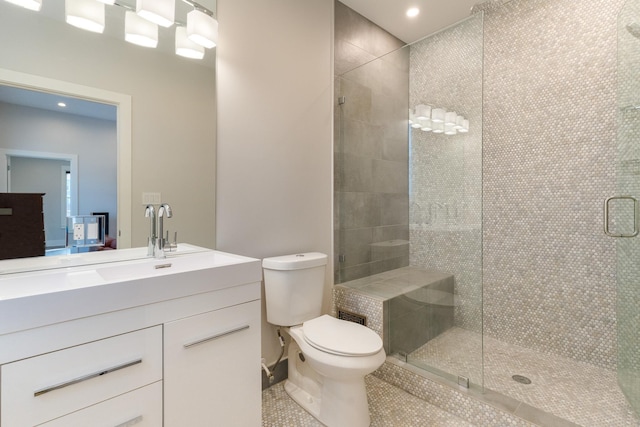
x=43 y=297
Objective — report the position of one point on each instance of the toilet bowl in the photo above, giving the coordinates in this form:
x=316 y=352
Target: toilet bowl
x=328 y=379
x=328 y=357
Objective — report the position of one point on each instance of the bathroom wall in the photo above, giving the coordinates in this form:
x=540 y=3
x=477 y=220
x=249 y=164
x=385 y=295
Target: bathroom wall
x=274 y=170
x=549 y=161
x=173 y=111
x=371 y=148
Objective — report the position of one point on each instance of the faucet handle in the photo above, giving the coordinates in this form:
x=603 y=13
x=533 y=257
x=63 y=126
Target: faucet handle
x=171 y=246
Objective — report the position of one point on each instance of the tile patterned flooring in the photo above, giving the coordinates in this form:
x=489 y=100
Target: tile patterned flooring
x=578 y=392
x=389 y=406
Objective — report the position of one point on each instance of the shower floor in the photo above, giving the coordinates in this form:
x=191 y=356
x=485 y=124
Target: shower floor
x=578 y=392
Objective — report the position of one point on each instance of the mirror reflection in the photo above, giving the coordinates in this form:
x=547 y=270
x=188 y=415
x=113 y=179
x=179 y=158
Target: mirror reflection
x=171 y=122
x=43 y=137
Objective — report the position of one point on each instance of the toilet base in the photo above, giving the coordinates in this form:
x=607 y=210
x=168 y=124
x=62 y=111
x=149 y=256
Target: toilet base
x=335 y=403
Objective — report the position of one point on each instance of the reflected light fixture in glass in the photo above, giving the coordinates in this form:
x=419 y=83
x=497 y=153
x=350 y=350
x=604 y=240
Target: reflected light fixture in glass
x=450 y=118
x=85 y=14
x=202 y=28
x=27 y=4
x=450 y=129
x=438 y=127
x=423 y=111
x=161 y=12
x=426 y=125
x=465 y=126
x=186 y=47
x=437 y=115
x=140 y=31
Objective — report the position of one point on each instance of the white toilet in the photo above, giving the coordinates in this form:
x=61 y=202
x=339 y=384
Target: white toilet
x=328 y=357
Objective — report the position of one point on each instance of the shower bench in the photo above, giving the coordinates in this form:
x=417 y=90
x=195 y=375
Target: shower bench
x=407 y=307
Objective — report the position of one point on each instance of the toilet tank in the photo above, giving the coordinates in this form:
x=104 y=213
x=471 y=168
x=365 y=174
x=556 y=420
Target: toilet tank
x=293 y=286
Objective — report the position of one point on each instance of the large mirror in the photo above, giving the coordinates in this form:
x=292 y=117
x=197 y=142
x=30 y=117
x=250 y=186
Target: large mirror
x=162 y=129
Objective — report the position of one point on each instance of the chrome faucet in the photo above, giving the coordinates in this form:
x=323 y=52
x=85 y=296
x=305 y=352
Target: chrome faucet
x=150 y=212
x=163 y=210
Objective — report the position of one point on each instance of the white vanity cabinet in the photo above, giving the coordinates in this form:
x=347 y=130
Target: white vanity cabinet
x=167 y=347
x=48 y=386
x=210 y=366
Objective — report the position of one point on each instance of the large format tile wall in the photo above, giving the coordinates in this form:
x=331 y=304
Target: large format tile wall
x=549 y=163
x=371 y=148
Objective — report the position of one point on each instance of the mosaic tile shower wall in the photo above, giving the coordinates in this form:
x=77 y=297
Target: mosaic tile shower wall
x=446 y=170
x=371 y=149
x=549 y=163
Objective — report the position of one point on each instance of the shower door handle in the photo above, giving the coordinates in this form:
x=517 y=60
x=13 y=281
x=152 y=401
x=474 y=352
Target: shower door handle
x=635 y=216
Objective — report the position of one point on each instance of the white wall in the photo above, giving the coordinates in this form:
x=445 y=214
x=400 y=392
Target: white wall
x=173 y=104
x=274 y=170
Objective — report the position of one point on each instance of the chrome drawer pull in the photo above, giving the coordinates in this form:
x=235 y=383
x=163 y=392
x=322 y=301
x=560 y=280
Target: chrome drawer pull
x=131 y=422
x=85 y=378
x=215 y=337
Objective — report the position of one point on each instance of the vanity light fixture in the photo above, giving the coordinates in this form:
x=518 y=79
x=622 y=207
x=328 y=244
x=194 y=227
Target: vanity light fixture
x=61 y=104
x=161 y=12
x=139 y=31
x=85 y=14
x=202 y=28
x=186 y=47
x=465 y=126
x=27 y=4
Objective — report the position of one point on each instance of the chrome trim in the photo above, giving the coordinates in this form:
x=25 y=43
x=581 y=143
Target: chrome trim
x=131 y=422
x=214 y=337
x=85 y=378
x=635 y=216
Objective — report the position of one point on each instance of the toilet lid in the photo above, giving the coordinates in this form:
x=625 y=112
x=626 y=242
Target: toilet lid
x=341 y=337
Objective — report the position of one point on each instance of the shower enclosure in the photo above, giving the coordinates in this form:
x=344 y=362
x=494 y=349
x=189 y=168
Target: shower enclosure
x=626 y=220
x=409 y=197
x=525 y=300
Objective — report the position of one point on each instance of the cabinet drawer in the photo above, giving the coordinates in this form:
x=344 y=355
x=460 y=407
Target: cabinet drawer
x=45 y=387
x=138 y=408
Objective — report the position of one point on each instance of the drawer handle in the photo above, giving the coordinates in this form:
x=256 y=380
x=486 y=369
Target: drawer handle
x=215 y=337
x=85 y=378
x=131 y=422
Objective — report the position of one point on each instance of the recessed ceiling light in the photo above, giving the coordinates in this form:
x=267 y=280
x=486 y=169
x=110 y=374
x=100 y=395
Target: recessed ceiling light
x=414 y=11
x=61 y=104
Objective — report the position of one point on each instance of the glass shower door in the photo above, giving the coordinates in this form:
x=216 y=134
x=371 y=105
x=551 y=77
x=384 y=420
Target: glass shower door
x=623 y=211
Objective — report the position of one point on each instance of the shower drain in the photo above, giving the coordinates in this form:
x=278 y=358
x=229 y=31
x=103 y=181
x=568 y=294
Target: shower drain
x=521 y=379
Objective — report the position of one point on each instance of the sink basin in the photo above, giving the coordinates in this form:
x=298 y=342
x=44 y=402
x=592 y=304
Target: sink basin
x=151 y=267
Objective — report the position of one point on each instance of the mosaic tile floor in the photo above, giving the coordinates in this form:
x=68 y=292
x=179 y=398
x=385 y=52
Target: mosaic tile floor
x=389 y=405
x=579 y=392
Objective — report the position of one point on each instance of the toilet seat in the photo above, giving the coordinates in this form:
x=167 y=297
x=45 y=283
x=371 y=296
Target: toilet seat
x=341 y=337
